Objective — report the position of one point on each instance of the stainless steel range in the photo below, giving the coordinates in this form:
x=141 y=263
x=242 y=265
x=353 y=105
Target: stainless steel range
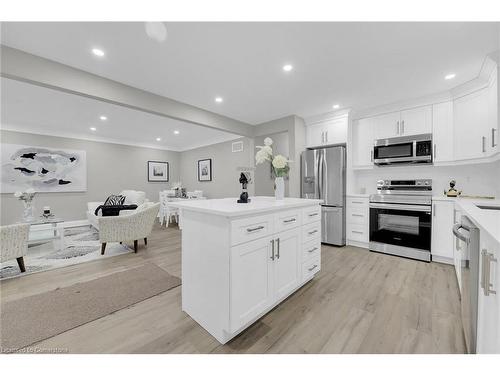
x=400 y=218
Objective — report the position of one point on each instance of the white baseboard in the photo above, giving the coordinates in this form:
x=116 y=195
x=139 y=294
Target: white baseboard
x=440 y=259
x=363 y=245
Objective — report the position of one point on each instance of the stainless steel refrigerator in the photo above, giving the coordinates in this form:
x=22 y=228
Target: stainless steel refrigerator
x=323 y=177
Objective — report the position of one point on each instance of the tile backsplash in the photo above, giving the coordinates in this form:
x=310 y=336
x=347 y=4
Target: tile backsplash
x=476 y=179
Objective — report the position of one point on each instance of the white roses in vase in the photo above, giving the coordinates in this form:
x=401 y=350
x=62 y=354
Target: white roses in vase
x=278 y=162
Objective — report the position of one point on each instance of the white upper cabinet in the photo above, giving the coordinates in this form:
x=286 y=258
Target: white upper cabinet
x=362 y=142
x=328 y=132
x=471 y=126
x=493 y=114
x=387 y=126
x=442 y=132
x=416 y=121
x=409 y=122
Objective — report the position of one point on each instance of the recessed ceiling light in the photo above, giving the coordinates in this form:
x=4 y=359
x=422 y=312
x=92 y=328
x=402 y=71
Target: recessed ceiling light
x=98 y=52
x=219 y=99
x=336 y=106
x=450 y=76
x=176 y=132
x=158 y=139
x=93 y=129
x=103 y=118
x=287 y=67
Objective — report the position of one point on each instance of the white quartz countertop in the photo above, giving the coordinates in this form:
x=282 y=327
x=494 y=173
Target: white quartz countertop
x=230 y=208
x=487 y=220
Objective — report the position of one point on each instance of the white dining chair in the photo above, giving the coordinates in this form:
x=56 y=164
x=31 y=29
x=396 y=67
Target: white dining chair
x=167 y=213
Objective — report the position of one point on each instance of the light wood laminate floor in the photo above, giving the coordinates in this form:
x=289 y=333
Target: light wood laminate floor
x=360 y=302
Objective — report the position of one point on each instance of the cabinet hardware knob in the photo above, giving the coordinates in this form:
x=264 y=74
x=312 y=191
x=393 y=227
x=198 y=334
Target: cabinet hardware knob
x=312 y=232
x=493 y=143
x=289 y=220
x=314 y=214
x=254 y=229
x=357 y=231
x=486 y=259
x=312 y=250
x=360 y=215
x=483 y=140
x=272 y=249
x=313 y=267
x=278 y=252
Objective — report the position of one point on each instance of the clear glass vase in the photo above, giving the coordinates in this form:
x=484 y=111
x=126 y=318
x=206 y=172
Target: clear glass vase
x=279 y=188
x=29 y=211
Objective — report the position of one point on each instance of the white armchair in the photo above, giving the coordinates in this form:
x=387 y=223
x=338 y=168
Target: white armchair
x=131 y=197
x=14 y=243
x=138 y=224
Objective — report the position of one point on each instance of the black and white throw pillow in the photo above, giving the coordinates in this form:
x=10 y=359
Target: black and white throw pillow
x=114 y=200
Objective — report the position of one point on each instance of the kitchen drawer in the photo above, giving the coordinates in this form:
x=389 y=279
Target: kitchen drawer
x=311 y=214
x=310 y=268
x=357 y=232
x=361 y=203
x=248 y=229
x=311 y=232
x=287 y=220
x=357 y=216
x=311 y=249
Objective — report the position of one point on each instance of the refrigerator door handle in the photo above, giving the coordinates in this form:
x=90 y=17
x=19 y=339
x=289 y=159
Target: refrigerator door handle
x=320 y=176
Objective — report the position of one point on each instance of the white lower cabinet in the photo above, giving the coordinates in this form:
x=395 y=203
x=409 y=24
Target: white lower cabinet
x=442 y=234
x=266 y=270
x=287 y=262
x=357 y=221
x=252 y=280
x=488 y=322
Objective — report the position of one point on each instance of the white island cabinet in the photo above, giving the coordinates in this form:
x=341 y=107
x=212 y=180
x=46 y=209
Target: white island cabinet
x=241 y=260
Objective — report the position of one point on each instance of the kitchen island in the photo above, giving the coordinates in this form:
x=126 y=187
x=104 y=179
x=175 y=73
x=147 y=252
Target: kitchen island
x=241 y=260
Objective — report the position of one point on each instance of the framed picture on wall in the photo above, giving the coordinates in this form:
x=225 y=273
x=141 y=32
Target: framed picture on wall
x=158 y=171
x=205 y=170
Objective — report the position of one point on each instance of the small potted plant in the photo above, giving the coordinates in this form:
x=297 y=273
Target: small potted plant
x=279 y=163
x=27 y=198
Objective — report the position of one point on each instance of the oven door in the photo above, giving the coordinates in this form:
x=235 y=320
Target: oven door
x=402 y=225
x=395 y=153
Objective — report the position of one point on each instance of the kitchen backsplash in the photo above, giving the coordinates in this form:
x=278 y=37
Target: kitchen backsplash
x=478 y=179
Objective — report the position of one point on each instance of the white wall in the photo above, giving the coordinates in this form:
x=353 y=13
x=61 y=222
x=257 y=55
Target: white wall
x=110 y=169
x=476 y=179
x=226 y=168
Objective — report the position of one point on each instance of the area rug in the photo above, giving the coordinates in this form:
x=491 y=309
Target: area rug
x=35 y=318
x=81 y=244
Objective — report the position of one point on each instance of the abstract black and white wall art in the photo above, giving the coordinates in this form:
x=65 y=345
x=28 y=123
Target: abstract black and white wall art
x=158 y=171
x=43 y=169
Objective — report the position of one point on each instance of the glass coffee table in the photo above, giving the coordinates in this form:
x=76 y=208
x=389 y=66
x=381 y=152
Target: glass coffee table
x=46 y=229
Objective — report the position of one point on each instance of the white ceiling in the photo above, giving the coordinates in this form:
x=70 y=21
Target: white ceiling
x=357 y=65
x=29 y=108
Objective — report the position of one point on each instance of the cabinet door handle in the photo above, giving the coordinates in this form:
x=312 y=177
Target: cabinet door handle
x=397 y=127
x=360 y=215
x=278 y=248
x=483 y=140
x=357 y=202
x=435 y=151
x=322 y=137
x=250 y=230
x=312 y=250
x=314 y=214
x=272 y=249
x=313 y=267
x=486 y=259
x=402 y=127
x=371 y=153
x=434 y=210
x=326 y=136
x=289 y=220
x=312 y=232
x=356 y=231
x=493 y=143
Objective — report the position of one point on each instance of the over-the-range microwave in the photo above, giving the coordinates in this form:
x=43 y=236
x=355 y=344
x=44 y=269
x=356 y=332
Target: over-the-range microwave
x=400 y=150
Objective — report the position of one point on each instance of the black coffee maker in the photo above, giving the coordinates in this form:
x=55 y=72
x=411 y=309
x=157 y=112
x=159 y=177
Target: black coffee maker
x=244 y=195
